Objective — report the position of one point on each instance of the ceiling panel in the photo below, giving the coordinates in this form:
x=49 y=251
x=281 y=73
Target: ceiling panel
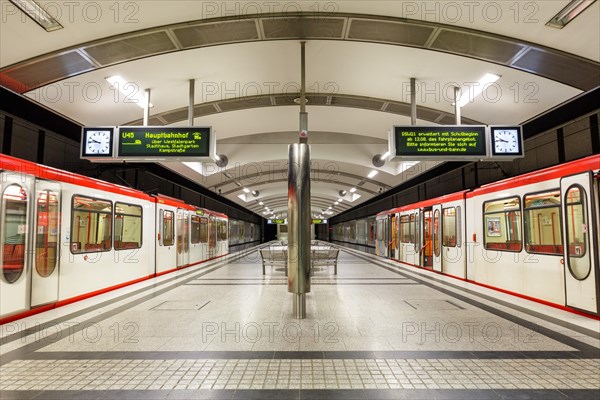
x=303 y=27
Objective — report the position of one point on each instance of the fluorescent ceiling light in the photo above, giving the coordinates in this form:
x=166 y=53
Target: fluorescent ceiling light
x=336 y=203
x=246 y=190
x=38 y=14
x=340 y=200
x=353 y=190
x=475 y=90
x=372 y=174
x=261 y=203
x=567 y=14
x=138 y=97
x=243 y=197
x=385 y=155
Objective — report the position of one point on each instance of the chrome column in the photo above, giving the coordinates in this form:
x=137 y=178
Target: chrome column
x=299 y=220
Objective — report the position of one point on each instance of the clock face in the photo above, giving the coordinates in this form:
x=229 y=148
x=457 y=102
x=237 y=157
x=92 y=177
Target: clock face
x=506 y=141
x=98 y=142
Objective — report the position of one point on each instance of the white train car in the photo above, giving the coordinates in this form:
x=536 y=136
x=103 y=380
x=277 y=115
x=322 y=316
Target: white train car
x=536 y=235
x=66 y=237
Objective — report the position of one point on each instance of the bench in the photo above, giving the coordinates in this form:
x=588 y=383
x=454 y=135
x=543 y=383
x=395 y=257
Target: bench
x=328 y=256
x=273 y=257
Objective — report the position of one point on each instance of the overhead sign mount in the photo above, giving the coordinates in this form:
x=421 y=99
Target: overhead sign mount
x=148 y=143
x=457 y=142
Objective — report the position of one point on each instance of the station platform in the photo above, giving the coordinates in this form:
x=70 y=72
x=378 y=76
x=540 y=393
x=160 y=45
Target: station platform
x=376 y=330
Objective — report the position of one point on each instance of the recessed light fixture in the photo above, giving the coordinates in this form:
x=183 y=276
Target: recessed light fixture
x=246 y=190
x=38 y=14
x=475 y=90
x=568 y=14
x=372 y=174
x=261 y=203
x=340 y=200
x=385 y=155
x=336 y=203
x=138 y=97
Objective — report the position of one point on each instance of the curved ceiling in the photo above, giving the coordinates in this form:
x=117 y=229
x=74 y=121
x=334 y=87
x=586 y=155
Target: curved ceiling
x=245 y=59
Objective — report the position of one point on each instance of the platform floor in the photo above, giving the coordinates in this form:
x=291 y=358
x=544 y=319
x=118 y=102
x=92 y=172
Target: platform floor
x=377 y=330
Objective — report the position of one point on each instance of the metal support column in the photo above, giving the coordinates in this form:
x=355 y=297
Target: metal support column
x=147 y=107
x=299 y=215
x=191 y=102
x=413 y=101
x=456 y=106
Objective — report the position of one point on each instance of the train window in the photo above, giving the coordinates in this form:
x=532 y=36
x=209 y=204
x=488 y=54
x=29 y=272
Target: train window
x=502 y=225
x=195 y=235
x=14 y=201
x=543 y=232
x=168 y=228
x=128 y=226
x=436 y=233
x=204 y=230
x=222 y=230
x=449 y=227
x=577 y=232
x=91 y=225
x=352 y=232
x=405 y=229
x=48 y=223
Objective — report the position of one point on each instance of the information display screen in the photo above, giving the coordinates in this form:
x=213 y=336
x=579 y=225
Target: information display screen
x=163 y=142
x=438 y=141
x=277 y=221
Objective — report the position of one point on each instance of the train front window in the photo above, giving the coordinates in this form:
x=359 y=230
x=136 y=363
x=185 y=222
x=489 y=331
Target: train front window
x=48 y=223
x=14 y=206
x=502 y=224
x=543 y=231
x=91 y=225
x=128 y=226
x=576 y=219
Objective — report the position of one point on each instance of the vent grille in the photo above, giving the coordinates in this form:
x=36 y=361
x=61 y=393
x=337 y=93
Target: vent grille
x=569 y=70
x=240 y=104
x=368 y=104
x=392 y=32
x=224 y=32
x=427 y=114
x=397 y=108
x=48 y=70
x=131 y=48
x=303 y=27
x=476 y=46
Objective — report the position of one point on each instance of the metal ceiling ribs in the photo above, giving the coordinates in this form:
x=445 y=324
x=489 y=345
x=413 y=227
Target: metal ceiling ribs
x=550 y=63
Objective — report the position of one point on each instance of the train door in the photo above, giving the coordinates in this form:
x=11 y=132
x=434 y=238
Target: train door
x=183 y=238
x=46 y=234
x=393 y=234
x=427 y=245
x=15 y=211
x=381 y=237
x=580 y=238
x=436 y=238
x=212 y=237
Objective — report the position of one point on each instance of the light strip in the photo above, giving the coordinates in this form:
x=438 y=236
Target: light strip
x=475 y=90
x=372 y=174
x=568 y=14
x=38 y=14
x=353 y=190
x=138 y=97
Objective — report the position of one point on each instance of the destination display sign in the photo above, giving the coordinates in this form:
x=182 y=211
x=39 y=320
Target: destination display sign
x=319 y=221
x=163 y=143
x=277 y=221
x=437 y=141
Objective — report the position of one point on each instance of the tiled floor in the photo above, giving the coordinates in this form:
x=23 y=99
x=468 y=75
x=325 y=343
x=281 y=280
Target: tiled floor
x=376 y=330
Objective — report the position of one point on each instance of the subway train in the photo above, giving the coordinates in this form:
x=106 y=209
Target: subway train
x=67 y=237
x=534 y=235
